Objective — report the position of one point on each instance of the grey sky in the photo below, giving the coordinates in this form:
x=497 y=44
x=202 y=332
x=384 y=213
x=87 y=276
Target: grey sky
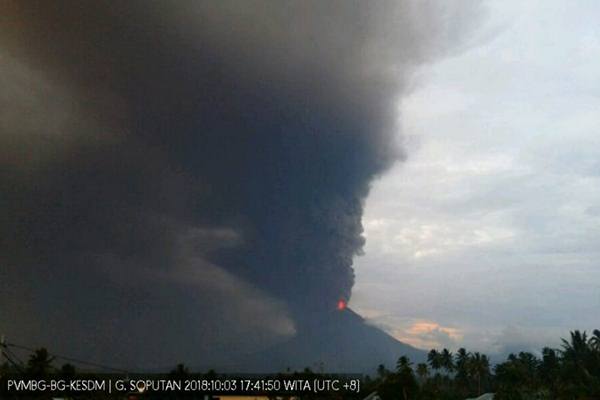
x=488 y=235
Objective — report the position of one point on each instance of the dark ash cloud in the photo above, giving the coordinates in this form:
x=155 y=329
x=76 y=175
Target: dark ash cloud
x=191 y=177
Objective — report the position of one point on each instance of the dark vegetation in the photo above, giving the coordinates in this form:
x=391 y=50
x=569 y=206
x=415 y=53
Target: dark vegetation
x=570 y=372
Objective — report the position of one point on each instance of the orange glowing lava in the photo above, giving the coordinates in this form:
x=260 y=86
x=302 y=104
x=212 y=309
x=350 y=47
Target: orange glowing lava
x=341 y=305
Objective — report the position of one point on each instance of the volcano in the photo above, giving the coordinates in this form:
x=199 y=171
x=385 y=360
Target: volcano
x=338 y=342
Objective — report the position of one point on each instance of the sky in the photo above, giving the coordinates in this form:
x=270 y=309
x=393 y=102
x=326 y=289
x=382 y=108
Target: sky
x=488 y=235
x=192 y=181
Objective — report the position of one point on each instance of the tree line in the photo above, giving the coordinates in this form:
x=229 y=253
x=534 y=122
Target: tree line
x=569 y=372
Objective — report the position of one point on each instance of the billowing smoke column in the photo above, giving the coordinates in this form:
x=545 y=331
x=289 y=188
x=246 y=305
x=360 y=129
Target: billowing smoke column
x=180 y=176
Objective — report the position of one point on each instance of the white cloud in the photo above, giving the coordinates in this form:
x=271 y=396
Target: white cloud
x=491 y=225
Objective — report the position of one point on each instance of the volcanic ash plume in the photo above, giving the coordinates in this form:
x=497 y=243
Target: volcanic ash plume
x=189 y=177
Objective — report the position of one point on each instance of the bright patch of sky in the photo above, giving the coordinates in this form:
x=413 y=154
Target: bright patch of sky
x=488 y=235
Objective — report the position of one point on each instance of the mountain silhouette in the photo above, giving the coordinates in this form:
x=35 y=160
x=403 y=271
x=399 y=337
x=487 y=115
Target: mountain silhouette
x=338 y=342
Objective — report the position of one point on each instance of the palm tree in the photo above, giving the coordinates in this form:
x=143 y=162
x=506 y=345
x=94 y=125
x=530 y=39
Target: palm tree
x=595 y=340
x=382 y=371
x=462 y=372
x=514 y=378
x=581 y=364
x=402 y=381
x=479 y=368
x=577 y=347
x=402 y=364
x=422 y=372
x=446 y=360
x=40 y=363
x=434 y=359
x=549 y=368
x=405 y=376
x=594 y=344
x=462 y=358
x=576 y=352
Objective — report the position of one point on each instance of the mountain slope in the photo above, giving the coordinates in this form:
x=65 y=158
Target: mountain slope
x=340 y=341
